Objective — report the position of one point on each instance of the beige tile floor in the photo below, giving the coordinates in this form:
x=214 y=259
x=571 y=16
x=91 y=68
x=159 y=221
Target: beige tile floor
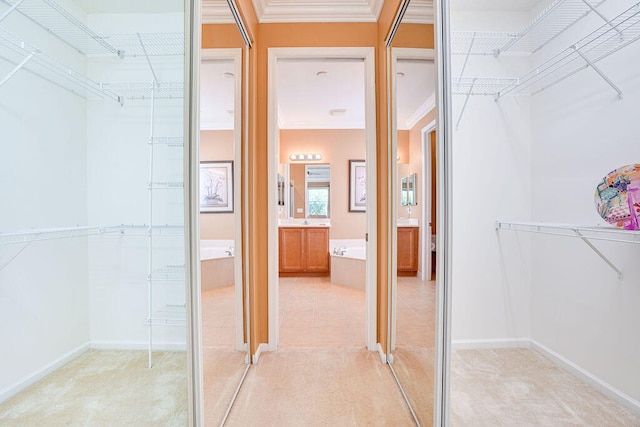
x=315 y=313
x=218 y=318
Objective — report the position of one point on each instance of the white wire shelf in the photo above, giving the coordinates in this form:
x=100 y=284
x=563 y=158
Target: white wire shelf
x=169 y=273
x=165 y=185
x=26 y=57
x=148 y=44
x=166 y=90
x=170 y=141
x=53 y=233
x=618 y=33
x=547 y=25
x=583 y=232
x=169 y=315
x=62 y=24
x=144 y=230
x=481 y=85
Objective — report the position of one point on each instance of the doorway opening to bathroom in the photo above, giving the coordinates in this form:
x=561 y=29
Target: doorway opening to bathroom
x=322 y=146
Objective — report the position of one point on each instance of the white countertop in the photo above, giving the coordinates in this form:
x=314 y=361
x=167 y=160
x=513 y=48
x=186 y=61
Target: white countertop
x=300 y=222
x=408 y=222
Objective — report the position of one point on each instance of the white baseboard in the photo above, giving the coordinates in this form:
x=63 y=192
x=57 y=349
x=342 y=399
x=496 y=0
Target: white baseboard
x=137 y=345
x=600 y=385
x=25 y=382
x=491 y=343
x=383 y=356
x=262 y=347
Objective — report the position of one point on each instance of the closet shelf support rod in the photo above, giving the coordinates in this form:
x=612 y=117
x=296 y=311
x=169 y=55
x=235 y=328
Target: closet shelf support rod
x=598 y=70
x=464 y=106
x=604 y=18
x=600 y=254
x=16 y=69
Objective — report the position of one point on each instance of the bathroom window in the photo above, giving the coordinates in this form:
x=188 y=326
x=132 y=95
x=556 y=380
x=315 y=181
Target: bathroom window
x=318 y=201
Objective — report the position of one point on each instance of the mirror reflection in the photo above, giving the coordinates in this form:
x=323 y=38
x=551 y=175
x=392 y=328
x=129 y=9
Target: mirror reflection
x=307 y=187
x=412 y=305
x=224 y=348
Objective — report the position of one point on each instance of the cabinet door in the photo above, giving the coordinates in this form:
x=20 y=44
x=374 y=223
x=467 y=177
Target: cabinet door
x=317 y=250
x=407 y=249
x=292 y=249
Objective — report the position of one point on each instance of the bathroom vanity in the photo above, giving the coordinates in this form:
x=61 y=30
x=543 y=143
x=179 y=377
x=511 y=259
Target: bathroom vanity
x=408 y=244
x=303 y=251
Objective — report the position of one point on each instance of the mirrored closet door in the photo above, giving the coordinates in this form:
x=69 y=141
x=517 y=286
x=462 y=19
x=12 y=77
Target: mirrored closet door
x=92 y=265
x=224 y=337
x=413 y=290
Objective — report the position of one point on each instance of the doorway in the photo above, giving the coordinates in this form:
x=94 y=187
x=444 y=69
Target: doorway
x=365 y=56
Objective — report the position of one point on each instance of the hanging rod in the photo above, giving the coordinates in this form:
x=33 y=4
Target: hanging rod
x=585 y=233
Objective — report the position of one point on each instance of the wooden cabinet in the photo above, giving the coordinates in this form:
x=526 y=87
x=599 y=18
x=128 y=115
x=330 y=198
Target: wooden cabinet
x=407 y=251
x=304 y=251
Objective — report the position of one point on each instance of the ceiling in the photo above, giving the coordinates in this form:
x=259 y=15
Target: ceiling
x=217 y=94
x=305 y=99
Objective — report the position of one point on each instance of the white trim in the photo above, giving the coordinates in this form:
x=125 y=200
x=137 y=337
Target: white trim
x=427 y=227
x=216 y=12
x=478 y=344
x=595 y=382
x=269 y=11
x=419 y=12
x=383 y=357
x=36 y=376
x=235 y=54
x=422 y=111
x=368 y=54
x=263 y=347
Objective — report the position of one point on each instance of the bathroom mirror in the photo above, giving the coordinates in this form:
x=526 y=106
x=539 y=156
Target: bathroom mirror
x=413 y=293
x=304 y=190
x=408 y=190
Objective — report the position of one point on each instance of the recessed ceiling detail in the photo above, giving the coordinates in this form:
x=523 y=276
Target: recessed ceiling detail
x=318 y=11
x=216 y=12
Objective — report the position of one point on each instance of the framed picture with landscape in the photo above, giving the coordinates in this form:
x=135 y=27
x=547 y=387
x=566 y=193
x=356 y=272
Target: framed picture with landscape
x=216 y=187
x=357 y=186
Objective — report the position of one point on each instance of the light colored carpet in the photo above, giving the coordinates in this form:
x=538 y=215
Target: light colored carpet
x=320 y=387
x=520 y=387
x=106 y=388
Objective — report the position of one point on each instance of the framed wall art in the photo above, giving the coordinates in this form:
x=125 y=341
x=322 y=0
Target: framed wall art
x=357 y=186
x=216 y=187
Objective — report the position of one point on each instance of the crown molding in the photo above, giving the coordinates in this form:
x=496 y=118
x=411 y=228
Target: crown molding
x=419 y=12
x=422 y=111
x=271 y=11
x=216 y=12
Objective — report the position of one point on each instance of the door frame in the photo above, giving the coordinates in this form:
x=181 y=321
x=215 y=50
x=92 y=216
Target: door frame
x=235 y=55
x=425 y=263
x=398 y=53
x=368 y=55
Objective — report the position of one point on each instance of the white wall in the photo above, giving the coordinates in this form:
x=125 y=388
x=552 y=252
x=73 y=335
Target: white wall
x=117 y=174
x=581 y=131
x=43 y=288
x=491 y=181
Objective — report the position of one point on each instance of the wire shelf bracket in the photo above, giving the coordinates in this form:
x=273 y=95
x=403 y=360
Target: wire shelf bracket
x=584 y=233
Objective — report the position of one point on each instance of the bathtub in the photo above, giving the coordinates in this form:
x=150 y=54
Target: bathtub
x=216 y=264
x=349 y=269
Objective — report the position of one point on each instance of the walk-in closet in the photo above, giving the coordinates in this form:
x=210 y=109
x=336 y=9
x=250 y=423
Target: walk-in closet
x=544 y=290
x=91 y=227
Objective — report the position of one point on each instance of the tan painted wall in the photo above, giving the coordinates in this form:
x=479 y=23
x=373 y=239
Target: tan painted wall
x=217 y=145
x=337 y=147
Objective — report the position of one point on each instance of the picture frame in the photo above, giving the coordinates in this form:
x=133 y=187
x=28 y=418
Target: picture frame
x=357 y=186
x=216 y=187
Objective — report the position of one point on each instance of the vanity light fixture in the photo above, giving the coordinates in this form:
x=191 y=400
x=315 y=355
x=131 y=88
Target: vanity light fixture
x=308 y=157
